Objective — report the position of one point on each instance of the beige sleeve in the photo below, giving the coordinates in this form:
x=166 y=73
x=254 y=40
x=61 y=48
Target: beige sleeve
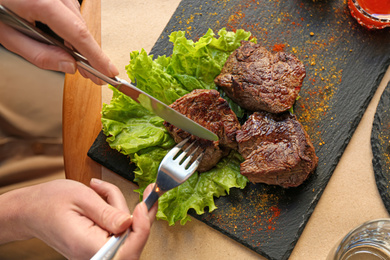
x=30 y=122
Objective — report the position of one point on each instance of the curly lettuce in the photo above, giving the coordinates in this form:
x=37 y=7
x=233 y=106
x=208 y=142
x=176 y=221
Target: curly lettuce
x=138 y=133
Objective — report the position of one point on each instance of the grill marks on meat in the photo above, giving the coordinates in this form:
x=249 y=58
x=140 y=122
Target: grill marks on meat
x=258 y=80
x=277 y=150
x=208 y=109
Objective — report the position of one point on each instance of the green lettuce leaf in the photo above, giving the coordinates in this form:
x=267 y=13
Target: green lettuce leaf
x=130 y=127
x=138 y=133
x=199 y=190
x=193 y=65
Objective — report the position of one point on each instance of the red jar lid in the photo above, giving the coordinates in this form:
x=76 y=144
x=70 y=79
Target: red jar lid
x=373 y=16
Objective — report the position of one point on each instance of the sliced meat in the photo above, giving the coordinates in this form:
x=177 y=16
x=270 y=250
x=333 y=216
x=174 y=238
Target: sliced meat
x=277 y=150
x=258 y=80
x=208 y=109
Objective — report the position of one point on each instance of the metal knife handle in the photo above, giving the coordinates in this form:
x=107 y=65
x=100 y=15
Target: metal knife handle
x=13 y=20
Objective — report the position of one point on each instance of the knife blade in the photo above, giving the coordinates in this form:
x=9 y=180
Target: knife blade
x=149 y=102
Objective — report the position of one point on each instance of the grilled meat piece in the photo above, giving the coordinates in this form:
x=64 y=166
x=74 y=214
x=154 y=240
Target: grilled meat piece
x=208 y=109
x=258 y=80
x=277 y=150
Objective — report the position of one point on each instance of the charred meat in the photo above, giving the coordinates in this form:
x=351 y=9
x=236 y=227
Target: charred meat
x=208 y=109
x=277 y=150
x=258 y=80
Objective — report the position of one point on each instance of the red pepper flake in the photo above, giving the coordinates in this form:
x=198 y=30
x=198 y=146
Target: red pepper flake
x=275 y=210
x=279 y=47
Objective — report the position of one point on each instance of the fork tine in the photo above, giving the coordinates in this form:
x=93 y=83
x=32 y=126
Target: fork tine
x=188 y=159
x=173 y=152
x=184 y=153
x=196 y=163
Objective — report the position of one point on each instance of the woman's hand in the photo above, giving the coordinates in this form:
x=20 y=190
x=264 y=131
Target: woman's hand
x=64 y=18
x=142 y=221
x=140 y=229
x=74 y=219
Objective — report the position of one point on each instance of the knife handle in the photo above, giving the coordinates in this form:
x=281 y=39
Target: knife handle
x=13 y=20
x=16 y=22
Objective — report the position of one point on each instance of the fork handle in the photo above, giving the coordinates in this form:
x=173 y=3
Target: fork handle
x=111 y=247
x=151 y=199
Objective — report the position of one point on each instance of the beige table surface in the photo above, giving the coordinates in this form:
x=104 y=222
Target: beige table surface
x=350 y=198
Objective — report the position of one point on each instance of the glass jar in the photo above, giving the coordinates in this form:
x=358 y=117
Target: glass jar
x=369 y=241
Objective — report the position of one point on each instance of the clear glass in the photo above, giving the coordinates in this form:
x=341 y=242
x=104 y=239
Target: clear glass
x=372 y=14
x=369 y=241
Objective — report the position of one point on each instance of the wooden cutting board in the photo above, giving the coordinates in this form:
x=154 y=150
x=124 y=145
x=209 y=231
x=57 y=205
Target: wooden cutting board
x=344 y=64
x=82 y=105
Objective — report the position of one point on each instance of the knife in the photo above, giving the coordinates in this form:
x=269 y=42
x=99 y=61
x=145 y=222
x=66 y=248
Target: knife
x=152 y=104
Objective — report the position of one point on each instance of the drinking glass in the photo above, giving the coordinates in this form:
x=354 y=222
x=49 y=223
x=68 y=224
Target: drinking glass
x=369 y=241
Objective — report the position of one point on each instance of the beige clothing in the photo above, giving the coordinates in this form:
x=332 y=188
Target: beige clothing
x=30 y=137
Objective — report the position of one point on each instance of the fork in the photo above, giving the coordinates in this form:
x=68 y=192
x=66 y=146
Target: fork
x=174 y=169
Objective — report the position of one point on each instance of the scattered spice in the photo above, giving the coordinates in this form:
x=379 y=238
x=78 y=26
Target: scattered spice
x=322 y=80
x=279 y=47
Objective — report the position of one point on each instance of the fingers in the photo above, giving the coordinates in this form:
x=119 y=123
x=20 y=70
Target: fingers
x=110 y=193
x=71 y=28
x=42 y=55
x=114 y=218
x=73 y=5
x=65 y=20
x=152 y=212
x=140 y=230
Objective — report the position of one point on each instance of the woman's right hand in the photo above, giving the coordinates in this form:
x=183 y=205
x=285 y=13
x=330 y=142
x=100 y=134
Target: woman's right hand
x=64 y=18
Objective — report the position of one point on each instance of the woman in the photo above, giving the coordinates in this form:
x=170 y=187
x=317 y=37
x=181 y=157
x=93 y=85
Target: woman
x=72 y=218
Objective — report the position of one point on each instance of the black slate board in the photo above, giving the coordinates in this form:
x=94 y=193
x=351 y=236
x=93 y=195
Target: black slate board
x=380 y=143
x=344 y=64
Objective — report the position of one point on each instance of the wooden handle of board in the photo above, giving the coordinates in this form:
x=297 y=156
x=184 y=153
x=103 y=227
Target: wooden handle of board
x=82 y=103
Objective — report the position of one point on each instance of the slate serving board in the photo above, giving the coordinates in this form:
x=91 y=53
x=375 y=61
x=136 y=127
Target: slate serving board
x=344 y=65
x=380 y=143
